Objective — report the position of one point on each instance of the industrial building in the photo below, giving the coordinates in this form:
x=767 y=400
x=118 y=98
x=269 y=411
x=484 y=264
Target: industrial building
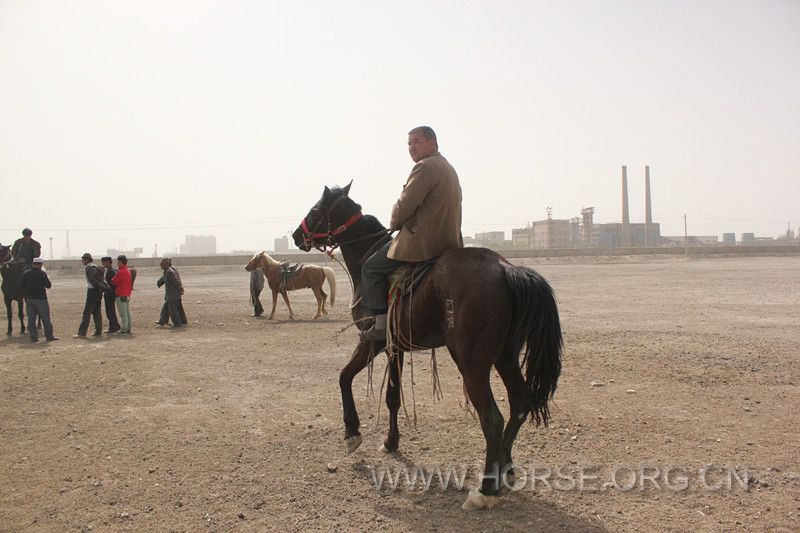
x=582 y=232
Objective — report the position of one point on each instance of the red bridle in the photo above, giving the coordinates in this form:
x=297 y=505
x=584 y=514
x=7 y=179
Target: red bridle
x=341 y=229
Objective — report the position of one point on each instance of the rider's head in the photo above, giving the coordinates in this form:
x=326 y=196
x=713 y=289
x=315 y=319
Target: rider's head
x=165 y=263
x=26 y=234
x=86 y=258
x=106 y=261
x=421 y=143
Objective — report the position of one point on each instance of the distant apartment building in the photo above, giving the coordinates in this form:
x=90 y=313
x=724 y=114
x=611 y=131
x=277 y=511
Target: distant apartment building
x=199 y=245
x=490 y=237
x=729 y=239
x=281 y=246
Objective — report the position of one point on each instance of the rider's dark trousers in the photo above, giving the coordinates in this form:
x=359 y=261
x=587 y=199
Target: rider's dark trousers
x=375 y=279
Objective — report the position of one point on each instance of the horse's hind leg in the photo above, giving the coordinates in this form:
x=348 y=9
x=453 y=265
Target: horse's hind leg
x=507 y=366
x=22 y=316
x=479 y=391
x=360 y=358
x=320 y=301
x=324 y=299
x=393 y=388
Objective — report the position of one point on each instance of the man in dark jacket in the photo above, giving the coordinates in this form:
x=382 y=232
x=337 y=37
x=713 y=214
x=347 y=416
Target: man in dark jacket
x=34 y=286
x=110 y=295
x=173 y=292
x=26 y=248
x=95 y=285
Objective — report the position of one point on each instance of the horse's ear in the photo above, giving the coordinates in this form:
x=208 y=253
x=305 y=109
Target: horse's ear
x=346 y=190
x=326 y=193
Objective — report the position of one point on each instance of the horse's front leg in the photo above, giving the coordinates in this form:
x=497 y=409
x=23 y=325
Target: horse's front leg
x=359 y=359
x=22 y=317
x=393 y=389
x=286 y=299
x=274 y=303
x=9 y=313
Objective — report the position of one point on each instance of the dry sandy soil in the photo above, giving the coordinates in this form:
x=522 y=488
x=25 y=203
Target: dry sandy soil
x=235 y=423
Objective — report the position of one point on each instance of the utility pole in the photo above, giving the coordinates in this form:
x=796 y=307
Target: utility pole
x=685 y=237
x=51 y=248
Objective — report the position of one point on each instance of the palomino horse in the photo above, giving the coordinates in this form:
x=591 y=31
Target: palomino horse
x=310 y=276
x=483 y=308
x=11 y=272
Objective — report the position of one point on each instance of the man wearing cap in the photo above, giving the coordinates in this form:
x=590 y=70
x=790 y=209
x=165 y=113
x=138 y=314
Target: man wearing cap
x=95 y=285
x=34 y=286
x=26 y=248
x=110 y=294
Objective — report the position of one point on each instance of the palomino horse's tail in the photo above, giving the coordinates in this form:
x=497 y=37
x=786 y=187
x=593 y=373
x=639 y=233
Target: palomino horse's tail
x=330 y=275
x=536 y=327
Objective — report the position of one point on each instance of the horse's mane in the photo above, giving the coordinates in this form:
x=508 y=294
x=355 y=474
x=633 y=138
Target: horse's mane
x=373 y=224
x=270 y=260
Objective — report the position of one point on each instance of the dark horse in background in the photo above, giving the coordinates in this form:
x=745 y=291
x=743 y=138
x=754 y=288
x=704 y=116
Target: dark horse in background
x=483 y=308
x=11 y=272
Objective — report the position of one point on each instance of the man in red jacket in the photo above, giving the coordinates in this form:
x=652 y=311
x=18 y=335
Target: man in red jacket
x=124 y=286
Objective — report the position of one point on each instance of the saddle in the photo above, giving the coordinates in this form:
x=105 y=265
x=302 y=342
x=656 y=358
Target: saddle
x=290 y=270
x=407 y=278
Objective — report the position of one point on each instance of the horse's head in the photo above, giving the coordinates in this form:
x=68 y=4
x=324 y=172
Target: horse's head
x=5 y=253
x=328 y=217
x=255 y=262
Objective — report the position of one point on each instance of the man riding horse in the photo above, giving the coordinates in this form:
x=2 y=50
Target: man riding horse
x=428 y=215
x=26 y=248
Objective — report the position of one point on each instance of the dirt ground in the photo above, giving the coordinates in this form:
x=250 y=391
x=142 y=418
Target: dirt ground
x=235 y=423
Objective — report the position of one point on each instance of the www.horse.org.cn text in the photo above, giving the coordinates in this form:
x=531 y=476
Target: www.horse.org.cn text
x=569 y=477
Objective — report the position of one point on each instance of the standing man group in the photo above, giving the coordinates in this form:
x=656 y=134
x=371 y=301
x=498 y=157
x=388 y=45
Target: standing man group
x=173 y=293
x=34 y=286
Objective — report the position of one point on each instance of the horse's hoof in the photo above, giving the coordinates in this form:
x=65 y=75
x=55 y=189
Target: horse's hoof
x=476 y=500
x=351 y=444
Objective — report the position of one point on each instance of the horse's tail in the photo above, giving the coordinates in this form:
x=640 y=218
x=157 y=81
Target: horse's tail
x=535 y=325
x=330 y=275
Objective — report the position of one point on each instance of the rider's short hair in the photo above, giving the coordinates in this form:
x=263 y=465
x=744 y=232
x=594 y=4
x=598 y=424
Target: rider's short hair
x=426 y=132
x=122 y=259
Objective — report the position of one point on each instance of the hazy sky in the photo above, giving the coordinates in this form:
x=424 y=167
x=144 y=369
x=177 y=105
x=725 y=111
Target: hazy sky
x=145 y=121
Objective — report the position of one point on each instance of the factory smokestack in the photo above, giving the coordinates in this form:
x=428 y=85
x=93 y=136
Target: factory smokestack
x=626 y=222
x=648 y=208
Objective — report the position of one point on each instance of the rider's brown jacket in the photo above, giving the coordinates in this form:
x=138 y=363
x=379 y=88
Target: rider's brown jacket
x=428 y=212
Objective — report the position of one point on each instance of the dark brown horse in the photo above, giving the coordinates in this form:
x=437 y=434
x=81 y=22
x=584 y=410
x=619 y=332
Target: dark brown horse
x=483 y=308
x=11 y=272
